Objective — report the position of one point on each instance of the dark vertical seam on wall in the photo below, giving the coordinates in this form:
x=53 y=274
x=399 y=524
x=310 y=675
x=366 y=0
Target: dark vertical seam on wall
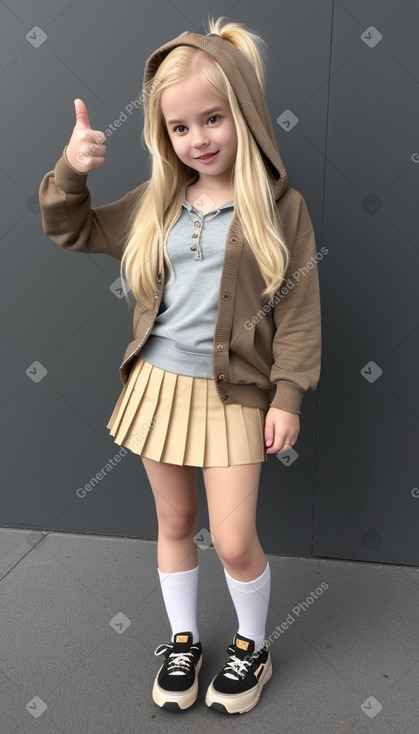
x=321 y=241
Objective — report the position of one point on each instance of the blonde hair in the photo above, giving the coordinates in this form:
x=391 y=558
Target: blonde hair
x=160 y=207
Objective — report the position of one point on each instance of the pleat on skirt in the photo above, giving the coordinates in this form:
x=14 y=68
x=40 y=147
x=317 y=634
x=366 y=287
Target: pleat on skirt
x=180 y=420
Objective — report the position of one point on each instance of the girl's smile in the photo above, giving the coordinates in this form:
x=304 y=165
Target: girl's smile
x=207 y=158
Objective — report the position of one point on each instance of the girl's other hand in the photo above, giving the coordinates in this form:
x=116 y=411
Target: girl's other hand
x=281 y=430
x=87 y=148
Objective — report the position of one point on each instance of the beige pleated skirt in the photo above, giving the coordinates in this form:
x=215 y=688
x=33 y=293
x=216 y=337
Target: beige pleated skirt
x=180 y=420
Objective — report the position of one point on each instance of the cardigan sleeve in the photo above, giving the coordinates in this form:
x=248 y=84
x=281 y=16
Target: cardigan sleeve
x=297 y=317
x=69 y=220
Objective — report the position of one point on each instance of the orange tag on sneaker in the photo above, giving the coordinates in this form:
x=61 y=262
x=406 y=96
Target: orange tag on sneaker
x=242 y=644
x=181 y=638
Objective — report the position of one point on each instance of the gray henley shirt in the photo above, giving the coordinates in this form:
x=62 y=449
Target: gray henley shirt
x=182 y=336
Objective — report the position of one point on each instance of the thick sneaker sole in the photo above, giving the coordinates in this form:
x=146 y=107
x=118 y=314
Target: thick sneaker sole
x=239 y=703
x=176 y=700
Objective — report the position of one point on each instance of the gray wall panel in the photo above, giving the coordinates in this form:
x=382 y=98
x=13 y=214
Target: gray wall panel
x=366 y=507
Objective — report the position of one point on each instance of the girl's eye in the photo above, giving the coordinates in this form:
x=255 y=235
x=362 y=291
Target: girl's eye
x=213 y=117
x=177 y=128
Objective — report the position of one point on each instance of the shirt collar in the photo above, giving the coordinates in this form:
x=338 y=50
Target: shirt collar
x=189 y=206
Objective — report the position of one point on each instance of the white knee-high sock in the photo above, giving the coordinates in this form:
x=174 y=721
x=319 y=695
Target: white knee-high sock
x=251 y=601
x=180 y=592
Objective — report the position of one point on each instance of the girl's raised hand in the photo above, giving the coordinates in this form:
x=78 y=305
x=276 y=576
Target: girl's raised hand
x=86 y=149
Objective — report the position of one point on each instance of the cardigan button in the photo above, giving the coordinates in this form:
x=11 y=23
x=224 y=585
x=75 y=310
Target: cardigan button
x=225 y=397
x=221 y=376
x=226 y=296
x=220 y=347
x=233 y=240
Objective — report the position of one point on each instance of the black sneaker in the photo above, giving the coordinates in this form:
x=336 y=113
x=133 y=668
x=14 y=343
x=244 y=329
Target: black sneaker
x=176 y=683
x=238 y=687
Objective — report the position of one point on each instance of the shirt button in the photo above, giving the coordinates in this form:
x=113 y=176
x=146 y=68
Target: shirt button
x=196 y=223
x=221 y=376
x=220 y=347
x=195 y=235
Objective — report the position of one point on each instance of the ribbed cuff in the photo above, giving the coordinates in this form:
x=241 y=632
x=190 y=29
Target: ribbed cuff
x=288 y=397
x=67 y=178
x=250 y=586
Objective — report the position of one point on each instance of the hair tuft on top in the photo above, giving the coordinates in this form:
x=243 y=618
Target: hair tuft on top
x=251 y=45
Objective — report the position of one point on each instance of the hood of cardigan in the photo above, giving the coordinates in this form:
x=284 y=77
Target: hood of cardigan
x=248 y=91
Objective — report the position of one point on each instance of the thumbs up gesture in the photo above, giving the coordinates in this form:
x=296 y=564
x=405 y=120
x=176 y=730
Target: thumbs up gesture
x=86 y=149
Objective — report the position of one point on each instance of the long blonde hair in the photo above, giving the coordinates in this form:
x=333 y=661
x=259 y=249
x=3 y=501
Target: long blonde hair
x=160 y=207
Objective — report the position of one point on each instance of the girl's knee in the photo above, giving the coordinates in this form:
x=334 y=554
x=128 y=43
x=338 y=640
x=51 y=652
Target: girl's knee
x=176 y=526
x=235 y=551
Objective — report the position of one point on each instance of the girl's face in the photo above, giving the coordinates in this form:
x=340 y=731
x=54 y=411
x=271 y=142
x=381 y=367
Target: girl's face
x=202 y=130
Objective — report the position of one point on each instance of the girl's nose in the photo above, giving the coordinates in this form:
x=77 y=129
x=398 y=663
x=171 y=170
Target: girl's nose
x=199 y=138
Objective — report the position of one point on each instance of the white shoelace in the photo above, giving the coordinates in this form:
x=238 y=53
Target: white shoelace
x=179 y=662
x=236 y=668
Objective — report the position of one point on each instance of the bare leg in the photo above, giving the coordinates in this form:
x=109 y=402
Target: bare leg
x=177 y=507
x=232 y=494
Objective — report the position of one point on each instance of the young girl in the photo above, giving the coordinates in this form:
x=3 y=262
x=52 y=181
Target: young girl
x=219 y=255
